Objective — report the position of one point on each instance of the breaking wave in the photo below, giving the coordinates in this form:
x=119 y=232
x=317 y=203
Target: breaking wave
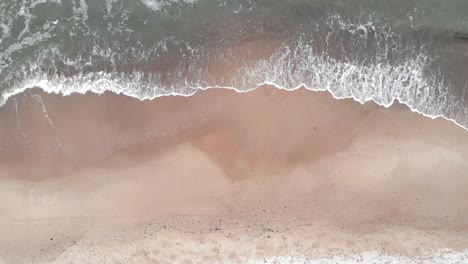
x=365 y=58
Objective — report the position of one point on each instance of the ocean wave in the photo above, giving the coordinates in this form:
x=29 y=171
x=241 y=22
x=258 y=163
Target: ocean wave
x=134 y=87
x=365 y=58
x=288 y=68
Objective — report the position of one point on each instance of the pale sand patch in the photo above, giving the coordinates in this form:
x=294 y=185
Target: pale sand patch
x=222 y=176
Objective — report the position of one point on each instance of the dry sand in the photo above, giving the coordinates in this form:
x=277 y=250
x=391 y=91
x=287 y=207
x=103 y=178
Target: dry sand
x=267 y=175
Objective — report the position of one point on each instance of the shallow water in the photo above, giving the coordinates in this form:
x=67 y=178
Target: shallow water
x=413 y=51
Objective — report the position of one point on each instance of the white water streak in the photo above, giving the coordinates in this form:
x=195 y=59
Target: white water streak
x=38 y=98
x=18 y=121
x=60 y=146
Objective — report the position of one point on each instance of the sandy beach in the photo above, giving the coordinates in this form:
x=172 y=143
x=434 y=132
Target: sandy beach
x=223 y=176
x=212 y=131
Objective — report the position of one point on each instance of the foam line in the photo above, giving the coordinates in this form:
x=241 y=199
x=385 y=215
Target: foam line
x=43 y=84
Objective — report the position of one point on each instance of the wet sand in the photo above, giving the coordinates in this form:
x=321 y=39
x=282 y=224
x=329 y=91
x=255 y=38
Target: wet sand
x=224 y=176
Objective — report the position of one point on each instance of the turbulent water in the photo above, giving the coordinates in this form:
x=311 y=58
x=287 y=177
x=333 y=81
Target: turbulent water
x=414 y=51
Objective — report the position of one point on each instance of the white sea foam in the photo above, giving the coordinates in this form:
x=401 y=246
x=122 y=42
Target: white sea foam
x=81 y=10
x=133 y=89
x=109 y=6
x=158 y=5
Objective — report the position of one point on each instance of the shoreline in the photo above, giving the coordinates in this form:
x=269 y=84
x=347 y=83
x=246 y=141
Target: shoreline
x=265 y=163
x=396 y=101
